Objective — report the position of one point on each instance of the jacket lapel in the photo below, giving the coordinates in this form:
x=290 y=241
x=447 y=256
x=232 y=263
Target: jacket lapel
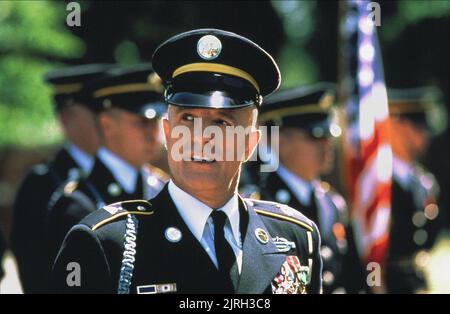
x=274 y=184
x=261 y=261
x=63 y=164
x=277 y=187
x=106 y=188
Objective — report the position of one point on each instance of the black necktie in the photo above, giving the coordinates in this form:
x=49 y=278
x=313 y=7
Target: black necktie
x=224 y=253
x=138 y=187
x=311 y=210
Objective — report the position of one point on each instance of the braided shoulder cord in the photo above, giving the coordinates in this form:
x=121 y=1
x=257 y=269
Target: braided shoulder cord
x=126 y=270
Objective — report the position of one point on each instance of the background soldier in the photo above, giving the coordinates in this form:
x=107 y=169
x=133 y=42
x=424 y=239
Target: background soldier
x=415 y=212
x=198 y=235
x=129 y=103
x=305 y=152
x=75 y=158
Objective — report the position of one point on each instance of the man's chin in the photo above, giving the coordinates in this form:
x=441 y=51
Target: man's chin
x=199 y=176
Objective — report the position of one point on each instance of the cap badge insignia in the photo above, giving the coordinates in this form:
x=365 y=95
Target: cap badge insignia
x=209 y=47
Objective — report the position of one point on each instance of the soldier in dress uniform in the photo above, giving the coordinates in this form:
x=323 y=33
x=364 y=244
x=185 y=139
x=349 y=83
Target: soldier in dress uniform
x=73 y=160
x=305 y=151
x=129 y=104
x=415 y=216
x=198 y=235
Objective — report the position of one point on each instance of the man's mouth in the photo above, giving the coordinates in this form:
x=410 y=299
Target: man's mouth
x=202 y=159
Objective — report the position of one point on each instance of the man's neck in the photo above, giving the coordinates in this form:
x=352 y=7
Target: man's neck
x=84 y=160
x=85 y=146
x=122 y=171
x=119 y=156
x=213 y=198
x=299 y=172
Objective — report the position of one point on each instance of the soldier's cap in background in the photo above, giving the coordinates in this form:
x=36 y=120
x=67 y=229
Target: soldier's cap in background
x=137 y=89
x=68 y=82
x=308 y=108
x=413 y=103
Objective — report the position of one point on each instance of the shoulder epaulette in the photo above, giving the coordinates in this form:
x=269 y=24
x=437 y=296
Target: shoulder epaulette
x=116 y=211
x=281 y=212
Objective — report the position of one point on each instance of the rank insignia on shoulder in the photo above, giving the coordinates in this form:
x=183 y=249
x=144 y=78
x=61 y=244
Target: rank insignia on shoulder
x=134 y=206
x=137 y=205
x=112 y=209
x=293 y=277
x=157 y=288
x=118 y=210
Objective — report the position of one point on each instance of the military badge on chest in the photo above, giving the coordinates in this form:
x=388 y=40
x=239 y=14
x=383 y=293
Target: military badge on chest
x=293 y=277
x=283 y=245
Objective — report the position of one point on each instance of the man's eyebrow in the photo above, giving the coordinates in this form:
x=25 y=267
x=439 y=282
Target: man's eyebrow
x=227 y=114
x=180 y=109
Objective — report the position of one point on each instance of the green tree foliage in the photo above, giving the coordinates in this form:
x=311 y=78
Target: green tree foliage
x=34 y=38
x=296 y=63
x=409 y=13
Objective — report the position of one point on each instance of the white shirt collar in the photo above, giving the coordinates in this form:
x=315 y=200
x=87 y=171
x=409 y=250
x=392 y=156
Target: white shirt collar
x=122 y=171
x=402 y=172
x=83 y=159
x=301 y=188
x=195 y=213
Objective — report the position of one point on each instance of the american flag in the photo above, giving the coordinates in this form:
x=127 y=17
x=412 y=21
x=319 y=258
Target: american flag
x=368 y=154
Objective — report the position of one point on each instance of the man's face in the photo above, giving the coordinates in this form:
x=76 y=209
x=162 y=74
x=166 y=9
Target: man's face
x=132 y=137
x=304 y=155
x=80 y=127
x=198 y=166
x=409 y=138
x=419 y=140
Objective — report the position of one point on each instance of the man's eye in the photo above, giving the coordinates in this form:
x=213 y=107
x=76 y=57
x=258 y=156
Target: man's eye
x=188 y=117
x=223 y=122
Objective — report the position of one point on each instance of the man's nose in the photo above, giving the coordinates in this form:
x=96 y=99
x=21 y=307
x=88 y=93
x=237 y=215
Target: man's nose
x=201 y=139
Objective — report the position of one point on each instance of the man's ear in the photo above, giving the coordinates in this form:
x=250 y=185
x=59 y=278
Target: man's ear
x=103 y=121
x=166 y=128
x=64 y=117
x=253 y=140
x=106 y=124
